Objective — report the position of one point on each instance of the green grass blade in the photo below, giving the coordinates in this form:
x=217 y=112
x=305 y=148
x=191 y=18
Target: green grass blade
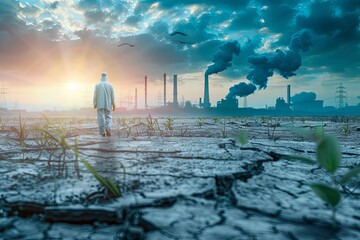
x=114 y=188
x=108 y=184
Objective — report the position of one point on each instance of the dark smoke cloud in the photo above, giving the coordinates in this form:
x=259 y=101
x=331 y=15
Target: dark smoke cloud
x=285 y=63
x=222 y=60
x=242 y=90
x=263 y=66
x=303 y=97
x=303 y=40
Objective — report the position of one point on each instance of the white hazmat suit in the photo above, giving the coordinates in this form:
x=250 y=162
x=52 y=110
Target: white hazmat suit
x=104 y=103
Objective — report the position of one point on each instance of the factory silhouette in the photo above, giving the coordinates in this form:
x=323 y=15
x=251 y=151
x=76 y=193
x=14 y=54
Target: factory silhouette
x=300 y=104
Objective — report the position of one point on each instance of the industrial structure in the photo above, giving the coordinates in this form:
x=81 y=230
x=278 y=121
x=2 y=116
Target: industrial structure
x=341 y=96
x=146 y=105
x=164 y=89
x=288 y=94
x=3 y=92
x=175 y=93
x=231 y=103
x=206 y=92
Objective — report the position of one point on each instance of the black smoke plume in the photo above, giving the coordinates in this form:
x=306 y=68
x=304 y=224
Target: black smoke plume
x=222 y=59
x=263 y=66
x=242 y=89
x=303 y=97
x=284 y=63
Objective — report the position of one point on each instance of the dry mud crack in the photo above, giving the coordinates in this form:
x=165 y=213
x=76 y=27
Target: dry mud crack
x=188 y=187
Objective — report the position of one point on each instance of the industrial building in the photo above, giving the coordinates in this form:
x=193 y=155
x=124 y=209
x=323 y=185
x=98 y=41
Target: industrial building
x=231 y=103
x=309 y=106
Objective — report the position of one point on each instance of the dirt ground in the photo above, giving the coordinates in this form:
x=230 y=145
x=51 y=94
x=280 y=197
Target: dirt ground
x=180 y=178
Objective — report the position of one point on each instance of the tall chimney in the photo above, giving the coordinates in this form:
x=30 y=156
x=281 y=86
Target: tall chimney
x=135 y=99
x=175 y=99
x=146 y=106
x=288 y=94
x=164 y=89
x=200 y=102
x=206 y=92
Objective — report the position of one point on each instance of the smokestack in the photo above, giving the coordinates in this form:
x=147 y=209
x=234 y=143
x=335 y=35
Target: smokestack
x=200 y=102
x=146 y=106
x=164 y=89
x=288 y=94
x=206 y=92
x=135 y=99
x=175 y=99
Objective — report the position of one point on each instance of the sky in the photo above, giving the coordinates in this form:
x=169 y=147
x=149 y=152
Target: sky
x=52 y=53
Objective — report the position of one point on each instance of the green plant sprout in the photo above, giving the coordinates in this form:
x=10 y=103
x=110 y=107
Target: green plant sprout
x=20 y=135
x=169 y=124
x=242 y=138
x=346 y=129
x=328 y=156
x=200 y=121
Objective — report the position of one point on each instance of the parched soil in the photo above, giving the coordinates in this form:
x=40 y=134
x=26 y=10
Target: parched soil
x=180 y=178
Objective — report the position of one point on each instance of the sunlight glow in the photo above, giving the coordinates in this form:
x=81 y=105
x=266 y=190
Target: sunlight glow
x=73 y=86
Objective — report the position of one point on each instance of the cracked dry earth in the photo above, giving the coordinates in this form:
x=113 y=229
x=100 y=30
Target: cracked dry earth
x=193 y=182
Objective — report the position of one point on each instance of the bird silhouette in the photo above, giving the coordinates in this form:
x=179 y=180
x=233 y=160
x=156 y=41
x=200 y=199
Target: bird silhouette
x=127 y=44
x=184 y=42
x=177 y=33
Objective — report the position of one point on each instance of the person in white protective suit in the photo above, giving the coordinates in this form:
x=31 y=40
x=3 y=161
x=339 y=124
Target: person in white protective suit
x=104 y=103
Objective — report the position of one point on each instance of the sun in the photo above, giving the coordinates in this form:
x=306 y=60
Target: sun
x=73 y=86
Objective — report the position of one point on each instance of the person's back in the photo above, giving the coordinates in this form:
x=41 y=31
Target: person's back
x=104 y=102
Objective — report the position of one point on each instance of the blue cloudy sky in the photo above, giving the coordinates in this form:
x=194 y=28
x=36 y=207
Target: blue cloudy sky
x=46 y=44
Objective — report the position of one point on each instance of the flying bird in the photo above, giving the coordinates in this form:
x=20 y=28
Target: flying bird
x=128 y=44
x=184 y=42
x=177 y=33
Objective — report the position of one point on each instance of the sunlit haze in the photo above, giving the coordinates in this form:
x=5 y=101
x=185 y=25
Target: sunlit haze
x=52 y=53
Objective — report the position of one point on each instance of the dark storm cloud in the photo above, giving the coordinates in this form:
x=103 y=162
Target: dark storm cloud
x=303 y=40
x=196 y=28
x=349 y=5
x=323 y=19
x=339 y=51
x=278 y=17
x=303 y=97
x=248 y=19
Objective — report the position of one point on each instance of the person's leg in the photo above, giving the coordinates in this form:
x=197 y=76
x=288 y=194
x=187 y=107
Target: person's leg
x=101 y=121
x=108 y=119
